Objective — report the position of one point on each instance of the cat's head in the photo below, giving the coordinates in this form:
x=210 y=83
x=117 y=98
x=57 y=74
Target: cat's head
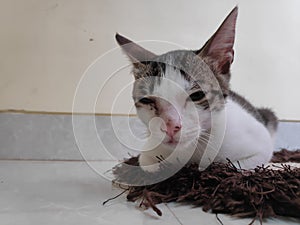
x=180 y=89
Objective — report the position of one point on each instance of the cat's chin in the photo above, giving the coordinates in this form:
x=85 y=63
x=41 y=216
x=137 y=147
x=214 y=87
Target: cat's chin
x=177 y=142
x=171 y=143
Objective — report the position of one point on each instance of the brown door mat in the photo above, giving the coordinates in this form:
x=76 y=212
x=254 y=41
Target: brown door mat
x=222 y=188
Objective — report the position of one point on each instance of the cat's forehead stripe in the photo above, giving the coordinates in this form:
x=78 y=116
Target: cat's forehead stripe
x=172 y=83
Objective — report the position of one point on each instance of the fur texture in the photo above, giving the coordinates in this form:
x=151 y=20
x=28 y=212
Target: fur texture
x=184 y=99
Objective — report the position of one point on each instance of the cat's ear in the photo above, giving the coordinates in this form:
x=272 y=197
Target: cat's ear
x=219 y=48
x=136 y=53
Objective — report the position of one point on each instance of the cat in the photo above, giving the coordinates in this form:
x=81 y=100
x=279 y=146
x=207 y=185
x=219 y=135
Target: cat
x=184 y=99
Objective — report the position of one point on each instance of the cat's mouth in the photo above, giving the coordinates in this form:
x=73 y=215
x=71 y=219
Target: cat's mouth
x=171 y=142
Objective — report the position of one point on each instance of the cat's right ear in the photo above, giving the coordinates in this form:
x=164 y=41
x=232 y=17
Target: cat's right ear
x=136 y=53
x=220 y=46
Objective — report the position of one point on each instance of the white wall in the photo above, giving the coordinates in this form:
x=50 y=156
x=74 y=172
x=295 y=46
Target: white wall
x=46 y=45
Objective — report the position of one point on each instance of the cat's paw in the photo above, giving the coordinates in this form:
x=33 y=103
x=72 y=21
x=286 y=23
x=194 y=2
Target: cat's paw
x=148 y=164
x=154 y=168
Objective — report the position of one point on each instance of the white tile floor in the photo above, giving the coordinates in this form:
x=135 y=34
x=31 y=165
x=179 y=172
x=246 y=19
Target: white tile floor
x=55 y=192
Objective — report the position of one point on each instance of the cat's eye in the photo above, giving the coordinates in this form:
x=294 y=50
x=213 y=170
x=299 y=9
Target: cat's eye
x=197 y=96
x=146 y=101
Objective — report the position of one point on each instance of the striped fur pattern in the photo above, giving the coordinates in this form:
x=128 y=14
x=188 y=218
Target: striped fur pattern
x=177 y=93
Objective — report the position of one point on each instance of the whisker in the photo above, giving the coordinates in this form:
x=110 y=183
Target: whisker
x=208 y=143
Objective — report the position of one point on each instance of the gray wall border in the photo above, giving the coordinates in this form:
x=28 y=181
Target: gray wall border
x=42 y=136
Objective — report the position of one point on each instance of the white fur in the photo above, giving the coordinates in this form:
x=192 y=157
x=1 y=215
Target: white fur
x=171 y=93
x=172 y=87
x=246 y=140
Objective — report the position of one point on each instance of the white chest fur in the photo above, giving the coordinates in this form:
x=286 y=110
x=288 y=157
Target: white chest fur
x=241 y=138
x=245 y=140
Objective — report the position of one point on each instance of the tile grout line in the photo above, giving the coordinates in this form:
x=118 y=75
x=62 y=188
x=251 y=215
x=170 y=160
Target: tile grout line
x=178 y=220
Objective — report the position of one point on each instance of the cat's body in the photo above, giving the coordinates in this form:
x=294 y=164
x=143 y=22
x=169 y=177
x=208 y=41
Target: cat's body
x=184 y=99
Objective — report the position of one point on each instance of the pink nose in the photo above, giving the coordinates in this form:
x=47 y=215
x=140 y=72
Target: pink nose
x=171 y=128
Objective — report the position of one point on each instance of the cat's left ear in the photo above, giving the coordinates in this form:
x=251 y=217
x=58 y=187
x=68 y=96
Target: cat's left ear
x=136 y=53
x=219 y=48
